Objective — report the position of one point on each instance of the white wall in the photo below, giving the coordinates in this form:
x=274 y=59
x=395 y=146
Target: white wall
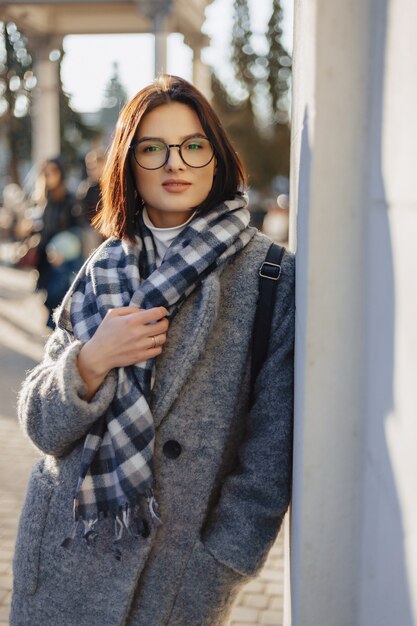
x=354 y=548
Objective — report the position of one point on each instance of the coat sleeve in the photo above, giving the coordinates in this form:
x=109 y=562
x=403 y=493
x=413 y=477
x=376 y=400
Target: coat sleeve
x=52 y=408
x=256 y=495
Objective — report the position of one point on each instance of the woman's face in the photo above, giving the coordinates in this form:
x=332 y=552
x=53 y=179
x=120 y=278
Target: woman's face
x=52 y=176
x=171 y=192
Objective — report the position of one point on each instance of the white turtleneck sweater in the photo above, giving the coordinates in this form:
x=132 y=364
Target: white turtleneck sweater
x=163 y=237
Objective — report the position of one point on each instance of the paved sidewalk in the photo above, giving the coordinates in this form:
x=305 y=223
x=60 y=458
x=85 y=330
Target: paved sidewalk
x=15 y=462
x=21 y=324
x=262 y=600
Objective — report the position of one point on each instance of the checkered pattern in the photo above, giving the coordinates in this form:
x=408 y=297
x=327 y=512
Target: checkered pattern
x=116 y=467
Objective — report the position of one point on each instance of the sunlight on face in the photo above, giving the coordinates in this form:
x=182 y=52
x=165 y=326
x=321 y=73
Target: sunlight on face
x=171 y=192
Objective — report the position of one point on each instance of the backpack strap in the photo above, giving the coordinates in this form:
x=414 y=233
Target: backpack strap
x=269 y=274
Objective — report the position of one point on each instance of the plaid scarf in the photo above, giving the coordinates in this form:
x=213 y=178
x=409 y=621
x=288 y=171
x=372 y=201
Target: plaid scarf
x=116 y=473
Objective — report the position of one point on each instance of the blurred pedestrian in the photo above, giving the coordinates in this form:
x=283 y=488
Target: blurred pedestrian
x=89 y=199
x=89 y=191
x=57 y=217
x=161 y=488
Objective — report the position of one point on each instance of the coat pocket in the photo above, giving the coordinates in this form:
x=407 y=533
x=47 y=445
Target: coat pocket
x=30 y=531
x=207 y=591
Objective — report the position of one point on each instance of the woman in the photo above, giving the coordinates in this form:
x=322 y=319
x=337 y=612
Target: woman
x=89 y=198
x=141 y=403
x=55 y=269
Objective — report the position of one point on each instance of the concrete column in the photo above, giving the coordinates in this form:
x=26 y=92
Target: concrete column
x=158 y=12
x=45 y=117
x=201 y=74
x=161 y=43
x=354 y=201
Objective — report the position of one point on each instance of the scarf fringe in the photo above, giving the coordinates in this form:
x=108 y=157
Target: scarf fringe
x=153 y=509
x=123 y=520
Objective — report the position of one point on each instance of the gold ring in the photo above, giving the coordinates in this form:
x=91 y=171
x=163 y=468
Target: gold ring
x=157 y=341
x=154 y=341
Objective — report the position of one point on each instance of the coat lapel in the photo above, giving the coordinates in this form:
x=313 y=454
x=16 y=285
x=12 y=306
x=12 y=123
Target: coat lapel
x=187 y=336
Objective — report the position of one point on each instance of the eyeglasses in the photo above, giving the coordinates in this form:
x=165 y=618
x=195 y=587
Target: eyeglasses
x=151 y=154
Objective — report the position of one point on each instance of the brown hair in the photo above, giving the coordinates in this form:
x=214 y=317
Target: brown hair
x=120 y=201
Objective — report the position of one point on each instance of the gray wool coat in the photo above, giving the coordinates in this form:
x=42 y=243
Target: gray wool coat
x=222 y=493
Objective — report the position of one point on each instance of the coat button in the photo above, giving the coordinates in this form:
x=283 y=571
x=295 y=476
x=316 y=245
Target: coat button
x=172 y=449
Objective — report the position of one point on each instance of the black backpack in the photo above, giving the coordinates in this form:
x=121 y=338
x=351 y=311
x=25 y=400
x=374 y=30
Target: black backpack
x=269 y=274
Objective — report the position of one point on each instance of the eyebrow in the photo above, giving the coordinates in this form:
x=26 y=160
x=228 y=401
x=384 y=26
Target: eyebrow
x=181 y=138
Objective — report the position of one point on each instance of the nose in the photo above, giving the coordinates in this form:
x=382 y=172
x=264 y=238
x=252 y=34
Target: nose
x=175 y=161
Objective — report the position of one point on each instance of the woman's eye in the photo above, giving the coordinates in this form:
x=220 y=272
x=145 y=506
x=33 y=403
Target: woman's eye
x=194 y=146
x=152 y=148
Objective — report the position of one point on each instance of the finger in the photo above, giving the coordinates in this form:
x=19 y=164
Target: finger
x=150 y=354
x=152 y=315
x=156 y=328
x=156 y=340
x=125 y=310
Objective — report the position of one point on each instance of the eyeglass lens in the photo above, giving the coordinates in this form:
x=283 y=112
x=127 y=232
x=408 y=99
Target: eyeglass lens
x=153 y=153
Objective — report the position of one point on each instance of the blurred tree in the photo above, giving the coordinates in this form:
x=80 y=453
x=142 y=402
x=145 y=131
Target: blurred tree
x=278 y=65
x=115 y=96
x=263 y=144
x=264 y=155
x=243 y=55
x=16 y=84
x=17 y=81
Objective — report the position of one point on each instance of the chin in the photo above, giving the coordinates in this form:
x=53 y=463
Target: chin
x=178 y=205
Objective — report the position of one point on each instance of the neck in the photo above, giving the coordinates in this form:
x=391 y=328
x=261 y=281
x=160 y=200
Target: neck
x=168 y=219
x=58 y=193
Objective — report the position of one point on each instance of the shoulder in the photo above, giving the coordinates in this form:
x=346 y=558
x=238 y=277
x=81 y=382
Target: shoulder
x=112 y=251
x=285 y=299
x=259 y=247
x=255 y=251
x=246 y=264
x=106 y=249
x=283 y=317
x=240 y=282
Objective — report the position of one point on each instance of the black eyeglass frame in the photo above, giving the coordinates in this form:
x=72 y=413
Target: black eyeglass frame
x=134 y=145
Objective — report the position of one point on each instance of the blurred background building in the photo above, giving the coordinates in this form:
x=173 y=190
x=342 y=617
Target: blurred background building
x=67 y=68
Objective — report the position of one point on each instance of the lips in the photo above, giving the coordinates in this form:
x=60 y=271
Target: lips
x=175 y=185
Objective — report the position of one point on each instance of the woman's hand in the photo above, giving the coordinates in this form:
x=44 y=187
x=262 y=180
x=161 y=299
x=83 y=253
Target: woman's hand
x=124 y=337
